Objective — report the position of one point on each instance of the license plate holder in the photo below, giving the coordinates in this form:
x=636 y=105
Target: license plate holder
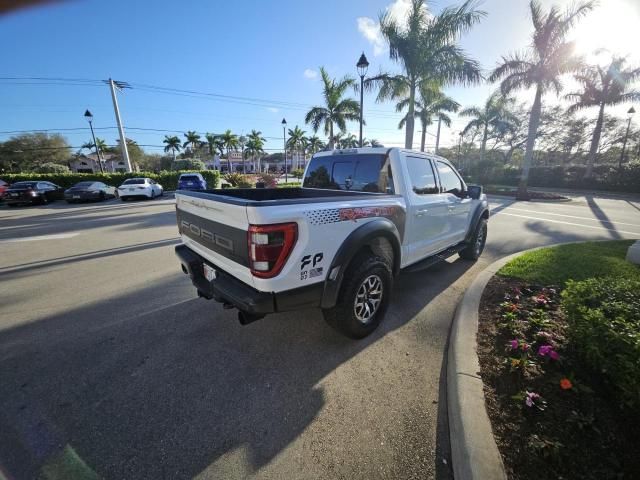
x=209 y=272
x=76 y=196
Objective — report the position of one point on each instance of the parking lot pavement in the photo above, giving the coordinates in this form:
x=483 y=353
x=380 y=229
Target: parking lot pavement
x=109 y=364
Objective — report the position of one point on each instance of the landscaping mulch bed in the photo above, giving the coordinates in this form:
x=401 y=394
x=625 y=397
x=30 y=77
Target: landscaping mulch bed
x=574 y=429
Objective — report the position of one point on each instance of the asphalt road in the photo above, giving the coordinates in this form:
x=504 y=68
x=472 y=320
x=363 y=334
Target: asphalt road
x=110 y=365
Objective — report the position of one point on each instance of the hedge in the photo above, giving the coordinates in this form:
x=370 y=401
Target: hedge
x=168 y=180
x=605 y=177
x=604 y=322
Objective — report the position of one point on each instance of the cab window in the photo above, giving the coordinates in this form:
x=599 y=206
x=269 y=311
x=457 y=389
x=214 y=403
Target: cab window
x=449 y=179
x=356 y=173
x=423 y=179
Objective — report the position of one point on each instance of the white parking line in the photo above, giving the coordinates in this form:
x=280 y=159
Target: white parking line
x=567 y=223
x=571 y=216
x=56 y=236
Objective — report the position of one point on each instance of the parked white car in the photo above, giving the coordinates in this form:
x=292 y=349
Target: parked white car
x=139 y=187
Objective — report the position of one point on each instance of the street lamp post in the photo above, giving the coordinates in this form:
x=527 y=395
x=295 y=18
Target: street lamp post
x=89 y=117
x=284 y=148
x=630 y=113
x=362 y=66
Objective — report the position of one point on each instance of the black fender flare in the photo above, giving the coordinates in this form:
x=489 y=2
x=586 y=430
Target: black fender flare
x=481 y=211
x=361 y=236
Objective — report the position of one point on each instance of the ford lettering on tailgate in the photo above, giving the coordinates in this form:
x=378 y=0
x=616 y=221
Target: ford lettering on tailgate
x=223 y=239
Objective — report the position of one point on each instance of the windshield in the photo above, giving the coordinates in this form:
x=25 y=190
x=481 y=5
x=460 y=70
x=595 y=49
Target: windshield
x=83 y=185
x=353 y=172
x=135 y=181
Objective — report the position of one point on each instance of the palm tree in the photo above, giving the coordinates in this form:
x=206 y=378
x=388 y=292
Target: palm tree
x=494 y=114
x=602 y=86
x=257 y=142
x=230 y=142
x=433 y=103
x=427 y=49
x=172 y=143
x=350 y=141
x=193 y=141
x=296 y=141
x=371 y=143
x=337 y=110
x=549 y=57
x=314 y=144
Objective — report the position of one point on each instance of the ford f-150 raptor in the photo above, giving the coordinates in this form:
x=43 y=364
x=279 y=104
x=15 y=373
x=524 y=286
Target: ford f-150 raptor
x=360 y=218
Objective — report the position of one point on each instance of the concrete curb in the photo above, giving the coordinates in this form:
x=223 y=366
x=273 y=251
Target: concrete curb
x=474 y=453
x=536 y=200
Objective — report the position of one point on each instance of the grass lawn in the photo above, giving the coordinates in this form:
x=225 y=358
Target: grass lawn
x=556 y=265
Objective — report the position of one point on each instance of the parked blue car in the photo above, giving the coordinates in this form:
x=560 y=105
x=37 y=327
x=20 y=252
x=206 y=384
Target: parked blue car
x=192 y=181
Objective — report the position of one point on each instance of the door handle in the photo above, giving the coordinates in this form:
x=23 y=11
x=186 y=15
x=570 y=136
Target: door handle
x=451 y=208
x=420 y=213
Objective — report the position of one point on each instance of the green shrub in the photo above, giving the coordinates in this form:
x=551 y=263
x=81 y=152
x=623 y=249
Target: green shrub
x=168 y=180
x=239 y=180
x=297 y=173
x=189 y=164
x=604 y=327
x=52 y=168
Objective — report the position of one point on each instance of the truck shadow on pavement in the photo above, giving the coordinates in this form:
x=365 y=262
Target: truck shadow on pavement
x=124 y=392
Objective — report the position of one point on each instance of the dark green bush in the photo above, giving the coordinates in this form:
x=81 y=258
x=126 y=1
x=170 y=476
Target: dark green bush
x=52 y=168
x=168 y=180
x=604 y=321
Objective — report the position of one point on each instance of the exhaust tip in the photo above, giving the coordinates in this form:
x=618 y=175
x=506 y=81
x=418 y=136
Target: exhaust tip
x=246 y=318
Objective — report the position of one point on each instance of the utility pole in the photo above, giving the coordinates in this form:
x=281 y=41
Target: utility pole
x=459 y=146
x=438 y=135
x=123 y=141
x=362 y=66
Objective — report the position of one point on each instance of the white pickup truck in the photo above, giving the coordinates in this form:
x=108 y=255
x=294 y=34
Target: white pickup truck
x=361 y=217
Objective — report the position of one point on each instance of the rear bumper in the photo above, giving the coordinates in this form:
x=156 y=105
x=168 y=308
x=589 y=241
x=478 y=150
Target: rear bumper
x=227 y=289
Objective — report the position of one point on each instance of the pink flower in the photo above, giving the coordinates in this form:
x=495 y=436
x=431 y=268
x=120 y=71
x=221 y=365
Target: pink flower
x=513 y=344
x=530 y=398
x=545 y=350
x=553 y=355
x=524 y=346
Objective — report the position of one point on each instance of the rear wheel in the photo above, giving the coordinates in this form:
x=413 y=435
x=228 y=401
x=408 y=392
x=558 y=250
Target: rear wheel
x=153 y=195
x=364 y=297
x=102 y=197
x=43 y=200
x=476 y=242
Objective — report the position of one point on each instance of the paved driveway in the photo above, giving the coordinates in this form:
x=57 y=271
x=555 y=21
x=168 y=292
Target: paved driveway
x=110 y=365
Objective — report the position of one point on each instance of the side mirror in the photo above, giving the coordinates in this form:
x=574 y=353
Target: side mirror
x=474 y=191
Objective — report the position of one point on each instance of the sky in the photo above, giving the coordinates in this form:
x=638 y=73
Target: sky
x=257 y=62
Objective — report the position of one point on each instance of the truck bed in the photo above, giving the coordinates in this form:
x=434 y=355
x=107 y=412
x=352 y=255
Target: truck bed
x=258 y=197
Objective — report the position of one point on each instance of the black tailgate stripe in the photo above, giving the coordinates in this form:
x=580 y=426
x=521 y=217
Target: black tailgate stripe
x=225 y=240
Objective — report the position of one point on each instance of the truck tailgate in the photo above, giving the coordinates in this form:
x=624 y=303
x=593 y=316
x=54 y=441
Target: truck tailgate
x=217 y=231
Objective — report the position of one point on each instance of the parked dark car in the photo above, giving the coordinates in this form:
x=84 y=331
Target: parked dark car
x=33 y=193
x=89 y=191
x=192 y=181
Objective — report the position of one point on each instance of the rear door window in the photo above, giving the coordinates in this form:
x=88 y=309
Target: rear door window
x=358 y=173
x=423 y=179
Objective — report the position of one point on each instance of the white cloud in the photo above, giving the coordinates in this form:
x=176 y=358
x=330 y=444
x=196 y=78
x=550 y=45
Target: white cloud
x=370 y=29
x=309 y=73
x=398 y=10
x=273 y=109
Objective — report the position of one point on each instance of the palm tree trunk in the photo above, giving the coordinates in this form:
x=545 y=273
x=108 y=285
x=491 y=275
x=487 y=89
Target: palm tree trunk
x=424 y=138
x=534 y=121
x=229 y=160
x=595 y=142
x=408 y=139
x=483 y=147
x=438 y=135
x=331 y=135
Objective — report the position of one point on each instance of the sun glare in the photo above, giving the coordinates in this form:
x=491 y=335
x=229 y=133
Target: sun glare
x=613 y=26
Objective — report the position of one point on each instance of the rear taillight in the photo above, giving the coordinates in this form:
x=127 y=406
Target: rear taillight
x=269 y=247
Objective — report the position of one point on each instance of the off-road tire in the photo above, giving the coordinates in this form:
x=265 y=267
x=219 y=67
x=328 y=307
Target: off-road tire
x=342 y=316
x=476 y=243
